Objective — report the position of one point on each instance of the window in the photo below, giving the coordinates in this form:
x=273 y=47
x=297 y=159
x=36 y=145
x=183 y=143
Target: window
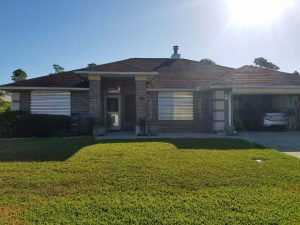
x=175 y=105
x=51 y=102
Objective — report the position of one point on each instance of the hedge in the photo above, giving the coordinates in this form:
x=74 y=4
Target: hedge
x=21 y=124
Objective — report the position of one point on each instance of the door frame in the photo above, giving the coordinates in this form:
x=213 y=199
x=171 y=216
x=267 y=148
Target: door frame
x=119 y=109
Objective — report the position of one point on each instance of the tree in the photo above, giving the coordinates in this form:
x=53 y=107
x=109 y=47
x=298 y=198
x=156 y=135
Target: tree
x=19 y=75
x=296 y=73
x=91 y=64
x=57 y=68
x=207 y=61
x=263 y=63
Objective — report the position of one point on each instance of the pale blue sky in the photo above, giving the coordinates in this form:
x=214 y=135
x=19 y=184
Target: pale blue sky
x=35 y=34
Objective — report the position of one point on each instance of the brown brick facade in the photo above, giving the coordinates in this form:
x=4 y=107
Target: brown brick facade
x=25 y=99
x=202 y=120
x=134 y=106
x=206 y=110
x=80 y=106
x=141 y=99
x=95 y=98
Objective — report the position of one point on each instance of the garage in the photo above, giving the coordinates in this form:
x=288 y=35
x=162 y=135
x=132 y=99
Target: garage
x=249 y=110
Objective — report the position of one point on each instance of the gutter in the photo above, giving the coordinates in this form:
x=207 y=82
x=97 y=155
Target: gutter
x=258 y=86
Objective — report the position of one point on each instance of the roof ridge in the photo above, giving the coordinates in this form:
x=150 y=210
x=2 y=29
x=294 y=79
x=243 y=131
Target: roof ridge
x=266 y=69
x=134 y=66
x=227 y=75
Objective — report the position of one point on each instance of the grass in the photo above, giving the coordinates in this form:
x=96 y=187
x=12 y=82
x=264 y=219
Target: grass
x=183 y=181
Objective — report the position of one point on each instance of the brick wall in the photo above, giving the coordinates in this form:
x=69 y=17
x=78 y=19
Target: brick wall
x=25 y=99
x=95 y=98
x=80 y=106
x=141 y=99
x=206 y=111
x=202 y=120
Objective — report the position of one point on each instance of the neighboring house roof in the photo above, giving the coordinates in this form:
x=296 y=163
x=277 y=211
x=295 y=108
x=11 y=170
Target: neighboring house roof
x=171 y=74
x=255 y=77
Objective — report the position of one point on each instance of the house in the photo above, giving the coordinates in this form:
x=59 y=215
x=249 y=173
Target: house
x=173 y=93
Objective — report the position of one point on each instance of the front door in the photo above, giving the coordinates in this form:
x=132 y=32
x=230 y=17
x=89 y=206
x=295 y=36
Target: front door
x=113 y=112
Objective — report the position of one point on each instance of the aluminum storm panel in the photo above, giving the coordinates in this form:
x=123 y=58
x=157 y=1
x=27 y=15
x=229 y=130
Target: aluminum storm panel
x=175 y=105
x=51 y=102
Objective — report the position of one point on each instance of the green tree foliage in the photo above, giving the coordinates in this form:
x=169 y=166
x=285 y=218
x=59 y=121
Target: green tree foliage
x=207 y=61
x=4 y=106
x=19 y=75
x=91 y=64
x=296 y=73
x=57 y=68
x=263 y=63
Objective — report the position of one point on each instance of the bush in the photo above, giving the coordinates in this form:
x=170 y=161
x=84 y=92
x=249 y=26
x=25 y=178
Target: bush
x=9 y=122
x=5 y=106
x=20 y=124
x=42 y=125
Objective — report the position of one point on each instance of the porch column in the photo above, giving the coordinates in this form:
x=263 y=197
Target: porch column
x=141 y=101
x=95 y=98
x=219 y=110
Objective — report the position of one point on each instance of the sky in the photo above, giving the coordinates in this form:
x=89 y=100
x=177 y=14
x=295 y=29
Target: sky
x=36 y=34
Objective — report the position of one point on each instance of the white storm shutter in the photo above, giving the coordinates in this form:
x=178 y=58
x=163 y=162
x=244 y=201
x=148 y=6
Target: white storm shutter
x=51 y=102
x=175 y=105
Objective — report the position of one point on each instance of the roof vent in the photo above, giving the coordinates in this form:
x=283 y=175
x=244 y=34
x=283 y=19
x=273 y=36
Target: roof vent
x=175 y=54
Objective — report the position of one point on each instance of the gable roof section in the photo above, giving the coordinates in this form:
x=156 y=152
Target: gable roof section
x=186 y=74
x=59 y=80
x=118 y=66
x=252 y=76
x=172 y=73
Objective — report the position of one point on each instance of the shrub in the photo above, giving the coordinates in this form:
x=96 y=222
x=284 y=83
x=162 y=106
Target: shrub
x=5 y=106
x=21 y=124
x=9 y=122
x=43 y=125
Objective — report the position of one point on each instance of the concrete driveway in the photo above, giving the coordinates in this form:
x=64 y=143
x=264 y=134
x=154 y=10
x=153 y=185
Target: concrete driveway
x=287 y=142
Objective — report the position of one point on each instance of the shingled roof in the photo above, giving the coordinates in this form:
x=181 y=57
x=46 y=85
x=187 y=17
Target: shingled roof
x=59 y=80
x=119 y=66
x=185 y=74
x=172 y=74
x=255 y=76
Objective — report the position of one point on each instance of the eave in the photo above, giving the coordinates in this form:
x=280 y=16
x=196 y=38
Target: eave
x=11 y=88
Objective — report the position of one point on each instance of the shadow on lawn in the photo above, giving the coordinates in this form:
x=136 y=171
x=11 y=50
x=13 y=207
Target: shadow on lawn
x=42 y=150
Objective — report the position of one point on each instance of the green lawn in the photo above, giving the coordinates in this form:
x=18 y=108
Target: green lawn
x=185 y=181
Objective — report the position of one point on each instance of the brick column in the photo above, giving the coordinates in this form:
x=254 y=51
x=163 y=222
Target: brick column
x=95 y=98
x=141 y=101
